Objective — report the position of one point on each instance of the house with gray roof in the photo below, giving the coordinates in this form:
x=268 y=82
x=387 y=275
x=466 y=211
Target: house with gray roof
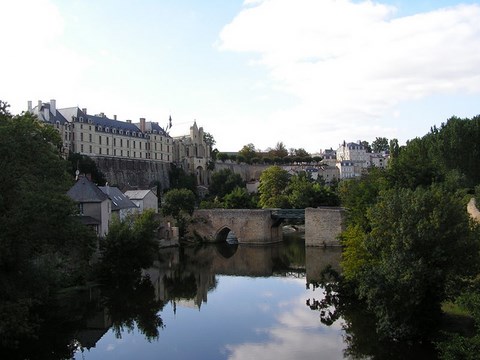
x=92 y=204
x=121 y=204
x=144 y=199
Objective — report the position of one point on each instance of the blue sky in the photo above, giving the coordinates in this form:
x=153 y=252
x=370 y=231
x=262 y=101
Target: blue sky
x=309 y=73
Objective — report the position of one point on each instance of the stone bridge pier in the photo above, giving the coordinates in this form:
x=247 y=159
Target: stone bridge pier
x=249 y=226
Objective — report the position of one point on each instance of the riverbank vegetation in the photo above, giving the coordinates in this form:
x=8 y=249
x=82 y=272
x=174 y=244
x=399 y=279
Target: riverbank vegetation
x=43 y=247
x=409 y=244
x=46 y=253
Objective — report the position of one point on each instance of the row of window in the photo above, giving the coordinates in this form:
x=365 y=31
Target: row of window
x=120 y=152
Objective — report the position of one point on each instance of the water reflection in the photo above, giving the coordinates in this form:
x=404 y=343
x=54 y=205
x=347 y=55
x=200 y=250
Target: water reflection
x=269 y=302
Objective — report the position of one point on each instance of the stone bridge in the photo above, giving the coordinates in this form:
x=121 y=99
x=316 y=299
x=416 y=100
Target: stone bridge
x=322 y=225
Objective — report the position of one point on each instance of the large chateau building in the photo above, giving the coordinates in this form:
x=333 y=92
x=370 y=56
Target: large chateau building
x=98 y=135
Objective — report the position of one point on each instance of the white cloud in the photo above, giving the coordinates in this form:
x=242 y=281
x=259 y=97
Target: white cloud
x=35 y=61
x=349 y=64
x=291 y=337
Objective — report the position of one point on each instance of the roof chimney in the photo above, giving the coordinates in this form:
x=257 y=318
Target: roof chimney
x=46 y=114
x=114 y=117
x=84 y=110
x=53 y=107
x=39 y=105
x=142 y=125
x=29 y=106
x=129 y=121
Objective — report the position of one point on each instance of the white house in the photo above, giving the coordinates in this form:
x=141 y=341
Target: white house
x=144 y=199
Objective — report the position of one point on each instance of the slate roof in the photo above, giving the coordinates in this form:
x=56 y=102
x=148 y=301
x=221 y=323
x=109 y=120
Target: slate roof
x=52 y=118
x=106 y=122
x=119 y=200
x=84 y=191
x=97 y=120
x=137 y=194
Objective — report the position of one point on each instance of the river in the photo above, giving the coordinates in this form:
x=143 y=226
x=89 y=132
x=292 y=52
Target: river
x=213 y=302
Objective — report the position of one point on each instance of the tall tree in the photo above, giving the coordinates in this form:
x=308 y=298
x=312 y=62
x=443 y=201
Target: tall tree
x=248 y=152
x=273 y=183
x=380 y=144
x=280 y=151
x=419 y=244
x=85 y=165
x=43 y=246
x=180 y=204
x=224 y=182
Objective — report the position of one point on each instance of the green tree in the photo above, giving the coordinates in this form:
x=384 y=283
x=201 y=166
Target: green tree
x=300 y=152
x=416 y=165
x=209 y=140
x=273 y=183
x=394 y=148
x=180 y=204
x=420 y=243
x=367 y=146
x=248 y=152
x=300 y=191
x=222 y=156
x=223 y=182
x=280 y=151
x=239 y=198
x=85 y=165
x=43 y=246
x=179 y=179
x=130 y=243
x=380 y=144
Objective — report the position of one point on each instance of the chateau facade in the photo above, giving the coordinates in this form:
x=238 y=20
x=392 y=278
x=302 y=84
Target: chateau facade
x=98 y=135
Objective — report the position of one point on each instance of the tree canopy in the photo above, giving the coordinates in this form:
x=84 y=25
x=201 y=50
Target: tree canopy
x=43 y=246
x=380 y=144
x=409 y=244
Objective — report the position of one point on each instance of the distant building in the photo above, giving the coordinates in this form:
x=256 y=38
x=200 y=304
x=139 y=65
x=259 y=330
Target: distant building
x=192 y=153
x=143 y=199
x=121 y=204
x=354 y=152
x=94 y=206
x=347 y=169
x=329 y=157
x=98 y=135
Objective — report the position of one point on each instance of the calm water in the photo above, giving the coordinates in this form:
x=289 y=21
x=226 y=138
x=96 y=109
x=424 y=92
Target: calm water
x=219 y=303
x=211 y=302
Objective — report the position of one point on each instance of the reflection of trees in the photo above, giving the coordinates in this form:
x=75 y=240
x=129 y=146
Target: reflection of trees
x=130 y=298
x=53 y=324
x=337 y=301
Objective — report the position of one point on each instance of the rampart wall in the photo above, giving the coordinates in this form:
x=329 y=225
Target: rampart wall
x=128 y=174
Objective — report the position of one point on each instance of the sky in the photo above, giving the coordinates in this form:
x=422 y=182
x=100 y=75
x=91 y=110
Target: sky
x=308 y=73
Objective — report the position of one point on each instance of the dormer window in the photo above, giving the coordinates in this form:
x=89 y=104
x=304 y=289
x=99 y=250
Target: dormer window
x=81 y=119
x=121 y=132
x=107 y=129
x=114 y=130
x=127 y=133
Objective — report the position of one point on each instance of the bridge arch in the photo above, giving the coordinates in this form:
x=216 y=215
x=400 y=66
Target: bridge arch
x=261 y=226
